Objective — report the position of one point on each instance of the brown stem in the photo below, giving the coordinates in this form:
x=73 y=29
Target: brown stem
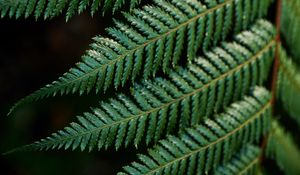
x=277 y=61
x=275 y=70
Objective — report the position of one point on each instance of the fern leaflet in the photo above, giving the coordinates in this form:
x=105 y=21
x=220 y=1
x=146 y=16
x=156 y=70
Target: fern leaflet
x=152 y=39
x=288 y=86
x=200 y=149
x=52 y=8
x=282 y=148
x=245 y=162
x=290 y=22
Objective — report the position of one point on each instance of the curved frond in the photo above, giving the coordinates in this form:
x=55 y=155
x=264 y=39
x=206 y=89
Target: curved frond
x=181 y=100
x=290 y=26
x=288 y=86
x=202 y=148
x=282 y=148
x=52 y=8
x=245 y=162
x=153 y=38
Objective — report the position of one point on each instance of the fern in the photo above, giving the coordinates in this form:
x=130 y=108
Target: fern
x=203 y=114
x=153 y=38
x=200 y=149
x=288 y=86
x=245 y=162
x=283 y=150
x=290 y=22
x=184 y=97
x=52 y=8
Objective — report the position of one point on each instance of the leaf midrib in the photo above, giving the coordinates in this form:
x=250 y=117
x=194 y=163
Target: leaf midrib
x=252 y=163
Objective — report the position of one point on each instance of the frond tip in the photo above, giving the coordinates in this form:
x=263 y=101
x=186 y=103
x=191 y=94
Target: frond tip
x=153 y=38
x=181 y=99
x=199 y=149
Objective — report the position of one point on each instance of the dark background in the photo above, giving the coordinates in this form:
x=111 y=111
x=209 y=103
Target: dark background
x=33 y=54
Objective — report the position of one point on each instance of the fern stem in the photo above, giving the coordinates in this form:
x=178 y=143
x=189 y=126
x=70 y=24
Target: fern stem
x=274 y=73
x=262 y=110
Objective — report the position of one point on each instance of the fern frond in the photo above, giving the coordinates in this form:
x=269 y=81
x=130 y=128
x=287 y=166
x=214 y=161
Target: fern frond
x=283 y=150
x=288 y=86
x=245 y=162
x=202 y=148
x=52 y=8
x=153 y=38
x=290 y=26
x=181 y=100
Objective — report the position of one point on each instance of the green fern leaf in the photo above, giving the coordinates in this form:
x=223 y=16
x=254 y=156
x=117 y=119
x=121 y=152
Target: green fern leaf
x=290 y=26
x=283 y=150
x=53 y=8
x=152 y=39
x=245 y=162
x=199 y=149
x=181 y=100
x=288 y=86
